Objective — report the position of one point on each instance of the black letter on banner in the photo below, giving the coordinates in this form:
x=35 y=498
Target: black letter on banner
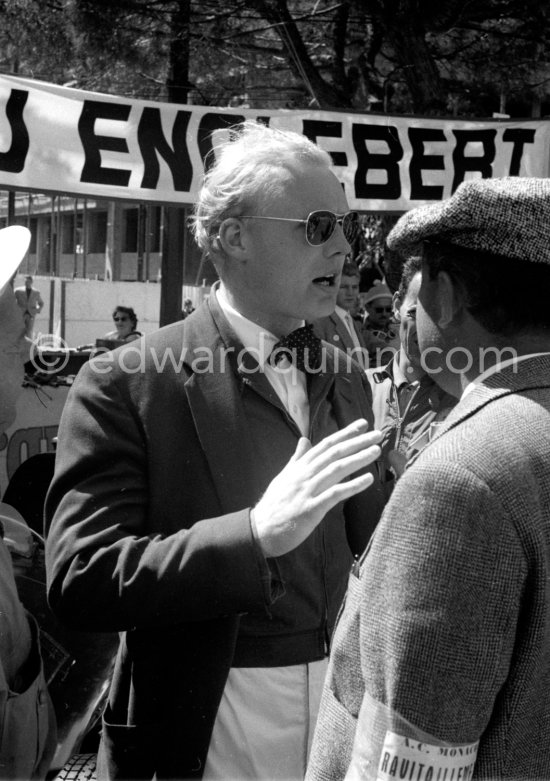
x=151 y=140
x=421 y=162
x=313 y=128
x=367 y=161
x=92 y=144
x=13 y=160
x=518 y=136
x=208 y=124
x=482 y=164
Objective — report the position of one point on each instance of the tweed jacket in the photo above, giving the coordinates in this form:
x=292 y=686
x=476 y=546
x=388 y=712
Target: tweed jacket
x=445 y=636
x=32 y=303
x=156 y=471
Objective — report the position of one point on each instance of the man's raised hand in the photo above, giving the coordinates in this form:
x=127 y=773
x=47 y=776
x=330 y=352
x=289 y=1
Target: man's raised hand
x=312 y=482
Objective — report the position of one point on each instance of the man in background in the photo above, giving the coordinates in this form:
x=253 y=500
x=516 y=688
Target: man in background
x=440 y=665
x=379 y=324
x=406 y=401
x=201 y=504
x=30 y=303
x=340 y=328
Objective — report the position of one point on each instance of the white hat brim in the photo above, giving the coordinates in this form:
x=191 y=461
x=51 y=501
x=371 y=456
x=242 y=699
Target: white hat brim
x=14 y=242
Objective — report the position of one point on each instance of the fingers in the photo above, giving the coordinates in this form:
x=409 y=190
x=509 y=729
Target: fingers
x=339 y=452
x=301 y=449
x=342 y=468
x=344 y=438
x=343 y=491
x=329 y=446
x=359 y=426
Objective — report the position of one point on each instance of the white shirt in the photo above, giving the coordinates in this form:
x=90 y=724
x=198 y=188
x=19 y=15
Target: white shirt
x=265 y=708
x=497 y=367
x=288 y=383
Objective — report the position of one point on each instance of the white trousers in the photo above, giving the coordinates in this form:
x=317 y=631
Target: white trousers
x=265 y=722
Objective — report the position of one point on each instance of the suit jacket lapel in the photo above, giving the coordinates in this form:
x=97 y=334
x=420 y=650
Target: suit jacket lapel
x=349 y=400
x=342 y=332
x=345 y=338
x=214 y=398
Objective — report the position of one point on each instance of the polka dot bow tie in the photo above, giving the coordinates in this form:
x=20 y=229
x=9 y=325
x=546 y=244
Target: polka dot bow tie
x=301 y=347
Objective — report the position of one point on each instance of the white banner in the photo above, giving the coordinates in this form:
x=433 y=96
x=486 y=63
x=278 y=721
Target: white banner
x=55 y=139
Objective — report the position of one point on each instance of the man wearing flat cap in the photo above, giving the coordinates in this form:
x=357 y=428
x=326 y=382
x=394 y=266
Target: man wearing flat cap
x=440 y=663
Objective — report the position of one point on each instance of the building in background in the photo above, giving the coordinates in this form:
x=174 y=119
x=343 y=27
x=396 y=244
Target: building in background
x=89 y=238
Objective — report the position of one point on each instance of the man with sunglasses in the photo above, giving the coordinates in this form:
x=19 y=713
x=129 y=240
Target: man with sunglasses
x=379 y=306
x=340 y=328
x=210 y=489
x=379 y=323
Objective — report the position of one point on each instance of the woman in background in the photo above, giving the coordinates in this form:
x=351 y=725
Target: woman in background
x=125 y=321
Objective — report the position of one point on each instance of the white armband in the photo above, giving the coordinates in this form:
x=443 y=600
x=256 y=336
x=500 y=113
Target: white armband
x=387 y=747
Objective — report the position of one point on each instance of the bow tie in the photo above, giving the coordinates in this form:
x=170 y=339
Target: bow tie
x=301 y=347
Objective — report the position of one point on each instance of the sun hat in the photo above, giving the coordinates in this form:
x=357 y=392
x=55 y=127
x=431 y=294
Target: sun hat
x=507 y=217
x=378 y=290
x=14 y=242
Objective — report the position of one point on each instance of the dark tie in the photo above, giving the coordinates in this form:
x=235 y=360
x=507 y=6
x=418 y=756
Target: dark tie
x=301 y=347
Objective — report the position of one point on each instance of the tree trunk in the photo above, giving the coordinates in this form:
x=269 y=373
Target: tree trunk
x=325 y=95
x=403 y=25
x=419 y=69
x=173 y=244
x=178 y=62
x=340 y=77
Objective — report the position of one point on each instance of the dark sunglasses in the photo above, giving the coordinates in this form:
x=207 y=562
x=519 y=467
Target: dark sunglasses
x=120 y=319
x=380 y=309
x=320 y=225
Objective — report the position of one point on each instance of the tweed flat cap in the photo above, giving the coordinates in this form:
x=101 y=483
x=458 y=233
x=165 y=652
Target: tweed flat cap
x=508 y=217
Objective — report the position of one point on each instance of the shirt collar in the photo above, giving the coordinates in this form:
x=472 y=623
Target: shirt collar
x=398 y=377
x=341 y=312
x=497 y=367
x=393 y=371
x=252 y=336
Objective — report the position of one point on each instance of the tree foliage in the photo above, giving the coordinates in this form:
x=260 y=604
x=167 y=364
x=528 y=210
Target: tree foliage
x=414 y=56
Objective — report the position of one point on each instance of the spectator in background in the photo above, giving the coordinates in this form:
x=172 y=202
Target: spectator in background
x=188 y=308
x=30 y=303
x=125 y=321
x=27 y=721
x=379 y=308
x=379 y=322
x=340 y=328
x=406 y=400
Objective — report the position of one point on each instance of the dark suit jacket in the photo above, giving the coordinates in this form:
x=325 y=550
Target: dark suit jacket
x=445 y=634
x=32 y=303
x=334 y=331
x=151 y=534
